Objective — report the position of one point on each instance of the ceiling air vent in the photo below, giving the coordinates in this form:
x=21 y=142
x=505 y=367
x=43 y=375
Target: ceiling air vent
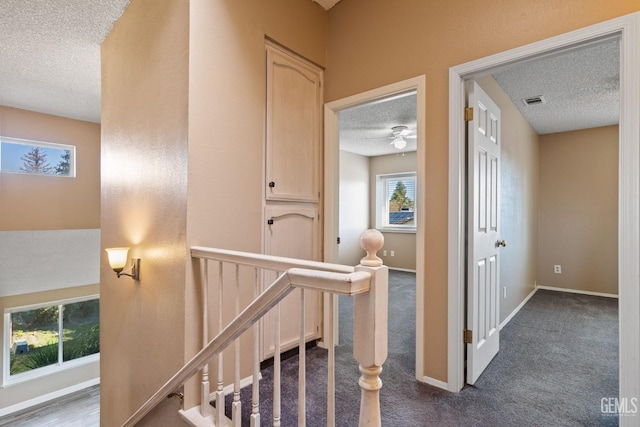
x=534 y=100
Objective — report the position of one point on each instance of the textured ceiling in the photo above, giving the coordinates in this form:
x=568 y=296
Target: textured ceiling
x=366 y=129
x=50 y=54
x=580 y=88
x=50 y=63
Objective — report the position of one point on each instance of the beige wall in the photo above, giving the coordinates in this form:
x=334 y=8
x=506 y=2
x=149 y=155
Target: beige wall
x=519 y=201
x=363 y=54
x=144 y=202
x=19 y=393
x=579 y=210
x=156 y=135
x=403 y=244
x=227 y=98
x=354 y=206
x=45 y=205
x=32 y=202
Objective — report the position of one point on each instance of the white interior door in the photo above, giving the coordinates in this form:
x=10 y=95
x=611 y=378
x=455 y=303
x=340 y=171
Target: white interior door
x=483 y=281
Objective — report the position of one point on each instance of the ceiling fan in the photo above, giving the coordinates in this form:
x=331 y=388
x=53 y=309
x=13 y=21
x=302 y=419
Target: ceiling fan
x=399 y=135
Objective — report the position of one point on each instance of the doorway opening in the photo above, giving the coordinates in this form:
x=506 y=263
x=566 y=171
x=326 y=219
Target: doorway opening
x=628 y=228
x=355 y=178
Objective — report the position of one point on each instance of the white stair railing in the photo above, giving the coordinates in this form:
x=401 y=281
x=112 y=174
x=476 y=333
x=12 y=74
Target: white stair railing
x=367 y=282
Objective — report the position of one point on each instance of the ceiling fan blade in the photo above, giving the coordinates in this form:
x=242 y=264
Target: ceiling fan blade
x=411 y=137
x=406 y=132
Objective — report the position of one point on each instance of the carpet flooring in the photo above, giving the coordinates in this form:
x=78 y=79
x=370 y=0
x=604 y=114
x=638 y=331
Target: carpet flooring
x=558 y=359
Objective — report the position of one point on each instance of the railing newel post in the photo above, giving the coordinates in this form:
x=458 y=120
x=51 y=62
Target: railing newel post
x=370 y=330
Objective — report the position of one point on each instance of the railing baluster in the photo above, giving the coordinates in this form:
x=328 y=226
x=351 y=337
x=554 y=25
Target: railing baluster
x=236 y=410
x=331 y=372
x=367 y=282
x=302 y=365
x=276 y=369
x=220 y=390
x=205 y=407
x=255 y=389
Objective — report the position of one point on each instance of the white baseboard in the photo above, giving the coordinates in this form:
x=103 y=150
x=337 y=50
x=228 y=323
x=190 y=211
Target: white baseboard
x=517 y=309
x=244 y=382
x=578 y=291
x=436 y=383
x=47 y=397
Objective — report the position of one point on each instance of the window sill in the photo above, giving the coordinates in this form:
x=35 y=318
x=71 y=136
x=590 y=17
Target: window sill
x=49 y=370
x=397 y=230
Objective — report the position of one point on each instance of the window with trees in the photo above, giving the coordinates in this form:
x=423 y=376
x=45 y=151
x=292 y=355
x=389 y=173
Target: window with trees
x=46 y=338
x=396 y=202
x=37 y=157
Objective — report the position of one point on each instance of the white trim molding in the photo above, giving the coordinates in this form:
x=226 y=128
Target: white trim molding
x=517 y=309
x=436 y=383
x=577 y=291
x=48 y=397
x=626 y=29
x=331 y=183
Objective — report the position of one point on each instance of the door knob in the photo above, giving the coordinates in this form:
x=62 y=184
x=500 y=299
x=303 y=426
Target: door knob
x=502 y=243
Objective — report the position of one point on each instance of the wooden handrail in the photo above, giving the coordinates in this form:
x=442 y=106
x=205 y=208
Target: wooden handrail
x=346 y=283
x=268 y=262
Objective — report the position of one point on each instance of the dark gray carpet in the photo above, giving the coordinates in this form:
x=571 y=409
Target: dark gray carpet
x=558 y=358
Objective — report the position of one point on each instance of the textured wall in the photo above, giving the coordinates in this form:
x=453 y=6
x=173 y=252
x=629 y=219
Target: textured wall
x=31 y=202
x=579 y=210
x=227 y=98
x=144 y=201
x=366 y=50
x=48 y=232
x=35 y=261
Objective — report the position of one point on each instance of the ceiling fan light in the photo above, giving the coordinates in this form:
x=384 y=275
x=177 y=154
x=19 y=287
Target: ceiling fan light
x=399 y=143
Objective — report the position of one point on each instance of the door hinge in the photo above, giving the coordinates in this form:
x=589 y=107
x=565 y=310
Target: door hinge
x=468 y=114
x=338 y=240
x=467 y=336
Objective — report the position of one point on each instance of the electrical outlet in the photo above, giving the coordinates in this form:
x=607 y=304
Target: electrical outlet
x=393 y=253
x=557 y=269
x=504 y=292
x=384 y=253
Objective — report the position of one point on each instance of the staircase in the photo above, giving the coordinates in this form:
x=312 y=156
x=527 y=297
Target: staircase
x=367 y=283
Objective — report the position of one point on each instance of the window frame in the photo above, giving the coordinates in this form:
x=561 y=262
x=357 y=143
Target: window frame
x=382 y=202
x=43 y=144
x=61 y=365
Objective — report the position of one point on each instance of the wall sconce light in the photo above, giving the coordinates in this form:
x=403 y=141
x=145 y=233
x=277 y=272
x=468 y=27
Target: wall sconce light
x=118 y=260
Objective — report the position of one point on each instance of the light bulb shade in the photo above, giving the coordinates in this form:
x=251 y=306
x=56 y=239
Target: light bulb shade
x=117 y=258
x=399 y=143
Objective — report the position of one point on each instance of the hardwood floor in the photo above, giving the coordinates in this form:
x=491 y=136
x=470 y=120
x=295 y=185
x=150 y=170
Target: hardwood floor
x=80 y=409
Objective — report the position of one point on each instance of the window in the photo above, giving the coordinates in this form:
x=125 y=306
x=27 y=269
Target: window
x=46 y=338
x=37 y=158
x=396 y=202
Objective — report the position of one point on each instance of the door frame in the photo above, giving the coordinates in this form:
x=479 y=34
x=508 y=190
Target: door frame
x=332 y=181
x=626 y=28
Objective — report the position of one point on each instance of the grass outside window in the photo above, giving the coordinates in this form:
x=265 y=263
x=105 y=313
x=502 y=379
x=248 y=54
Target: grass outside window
x=51 y=335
